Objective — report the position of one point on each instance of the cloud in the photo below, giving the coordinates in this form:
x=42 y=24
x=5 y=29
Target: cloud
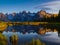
x=50 y=6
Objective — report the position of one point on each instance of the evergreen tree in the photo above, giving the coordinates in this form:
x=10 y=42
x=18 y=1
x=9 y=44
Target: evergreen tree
x=58 y=18
x=59 y=13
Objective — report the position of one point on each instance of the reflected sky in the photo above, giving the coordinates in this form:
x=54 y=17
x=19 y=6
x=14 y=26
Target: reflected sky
x=51 y=37
x=48 y=37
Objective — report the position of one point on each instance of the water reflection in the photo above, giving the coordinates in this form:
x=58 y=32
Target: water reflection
x=30 y=28
x=49 y=37
x=33 y=35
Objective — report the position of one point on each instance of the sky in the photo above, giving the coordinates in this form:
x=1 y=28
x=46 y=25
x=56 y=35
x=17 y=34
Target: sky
x=9 y=6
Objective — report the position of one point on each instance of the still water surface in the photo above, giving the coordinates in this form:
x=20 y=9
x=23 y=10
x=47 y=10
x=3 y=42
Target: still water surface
x=50 y=38
x=27 y=33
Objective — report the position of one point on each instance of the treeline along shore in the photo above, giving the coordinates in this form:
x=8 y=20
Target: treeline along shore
x=51 y=25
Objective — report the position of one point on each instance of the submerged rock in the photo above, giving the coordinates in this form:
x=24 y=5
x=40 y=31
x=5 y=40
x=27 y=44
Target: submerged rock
x=14 y=40
x=3 y=39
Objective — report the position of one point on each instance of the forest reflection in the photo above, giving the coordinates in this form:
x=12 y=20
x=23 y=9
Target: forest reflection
x=40 y=29
x=32 y=32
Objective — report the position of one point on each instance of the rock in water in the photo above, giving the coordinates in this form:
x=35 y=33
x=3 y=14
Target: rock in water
x=14 y=39
x=3 y=39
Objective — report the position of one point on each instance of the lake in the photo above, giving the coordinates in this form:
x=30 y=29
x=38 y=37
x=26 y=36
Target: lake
x=27 y=33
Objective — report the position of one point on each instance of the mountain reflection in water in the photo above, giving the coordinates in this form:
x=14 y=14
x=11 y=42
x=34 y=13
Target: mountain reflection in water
x=28 y=34
x=50 y=38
